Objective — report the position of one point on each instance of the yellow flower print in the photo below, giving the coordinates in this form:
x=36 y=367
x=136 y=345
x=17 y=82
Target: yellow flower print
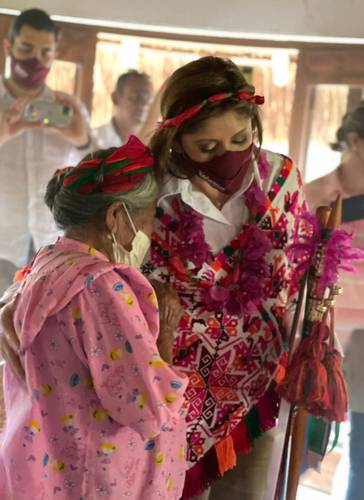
x=157 y=361
x=107 y=449
x=153 y=298
x=142 y=400
x=76 y=313
x=169 y=483
x=34 y=427
x=128 y=299
x=92 y=251
x=46 y=389
x=170 y=398
x=100 y=414
x=67 y=420
x=159 y=458
x=115 y=354
x=58 y=465
x=182 y=452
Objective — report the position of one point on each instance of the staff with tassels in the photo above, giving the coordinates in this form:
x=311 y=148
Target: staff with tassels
x=314 y=382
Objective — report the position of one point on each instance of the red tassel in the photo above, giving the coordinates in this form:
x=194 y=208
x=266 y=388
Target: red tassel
x=201 y=475
x=240 y=435
x=337 y=404
x=306 y=378
x=314 y=379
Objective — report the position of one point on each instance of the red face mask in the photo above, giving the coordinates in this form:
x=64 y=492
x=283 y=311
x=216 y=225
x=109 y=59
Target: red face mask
x=225 y=172
x=29 y=73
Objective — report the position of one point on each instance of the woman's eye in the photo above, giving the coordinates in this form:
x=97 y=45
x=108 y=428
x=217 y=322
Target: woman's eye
x=240 y=141
x=208 y=149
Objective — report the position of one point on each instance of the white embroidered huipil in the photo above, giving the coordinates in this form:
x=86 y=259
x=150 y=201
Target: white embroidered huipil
x=27 y=162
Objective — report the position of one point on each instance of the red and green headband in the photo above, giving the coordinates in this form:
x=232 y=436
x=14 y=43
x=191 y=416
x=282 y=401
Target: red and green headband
x=178 y=120
x=123 y=170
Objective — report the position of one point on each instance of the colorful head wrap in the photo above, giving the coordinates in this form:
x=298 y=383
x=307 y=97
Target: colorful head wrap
x=122 y=171
x=178 y=120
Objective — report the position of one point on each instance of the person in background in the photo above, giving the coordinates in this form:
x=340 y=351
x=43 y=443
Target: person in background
x=30 y=152
x=348 y=180
x=131 y=100
x=101 y=412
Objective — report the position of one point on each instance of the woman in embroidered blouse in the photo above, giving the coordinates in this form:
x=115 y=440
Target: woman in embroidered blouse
x=226 y=214
x=100 y=413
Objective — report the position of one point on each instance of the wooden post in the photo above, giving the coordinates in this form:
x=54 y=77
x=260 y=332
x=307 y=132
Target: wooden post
x=297 y=447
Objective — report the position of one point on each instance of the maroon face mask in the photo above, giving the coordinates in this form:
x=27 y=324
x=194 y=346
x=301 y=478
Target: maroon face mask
x=225 y=172
x=29 y=73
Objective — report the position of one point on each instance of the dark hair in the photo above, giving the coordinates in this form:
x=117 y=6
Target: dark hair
x=190 y=85
x=132 y=73
x=36 y=19
x=351 y=122
x=70 y=208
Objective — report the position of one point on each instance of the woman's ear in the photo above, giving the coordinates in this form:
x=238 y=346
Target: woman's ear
x=111 y=217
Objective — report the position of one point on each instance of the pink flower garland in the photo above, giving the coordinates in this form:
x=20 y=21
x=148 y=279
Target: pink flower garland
x=193 y=246
x=338 y=252
x=242 y=289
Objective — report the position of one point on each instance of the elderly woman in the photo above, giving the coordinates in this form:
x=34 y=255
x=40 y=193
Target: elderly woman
x=100 y=415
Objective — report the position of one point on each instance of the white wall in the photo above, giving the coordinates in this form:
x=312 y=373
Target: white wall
x=326 y=18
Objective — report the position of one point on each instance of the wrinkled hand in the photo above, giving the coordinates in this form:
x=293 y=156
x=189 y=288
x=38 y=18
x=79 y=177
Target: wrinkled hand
x=170 y=314
x=9 y=341
x=77 y=133
x=170 y=309
x=12 y=122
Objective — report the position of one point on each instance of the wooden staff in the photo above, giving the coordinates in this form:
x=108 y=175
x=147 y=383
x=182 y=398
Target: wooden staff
x=328 y=219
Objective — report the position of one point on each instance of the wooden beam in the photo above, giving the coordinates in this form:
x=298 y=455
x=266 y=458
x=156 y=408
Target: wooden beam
x=203 y=38
x=299 y=125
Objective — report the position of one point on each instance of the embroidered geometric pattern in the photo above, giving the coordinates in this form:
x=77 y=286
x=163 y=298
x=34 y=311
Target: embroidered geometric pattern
x=231 y=362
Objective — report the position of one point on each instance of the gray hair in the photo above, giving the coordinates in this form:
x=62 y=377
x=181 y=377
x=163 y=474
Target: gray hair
x=71 y=209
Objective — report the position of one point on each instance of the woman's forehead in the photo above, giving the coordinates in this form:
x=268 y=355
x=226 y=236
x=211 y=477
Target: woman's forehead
x=227 y=124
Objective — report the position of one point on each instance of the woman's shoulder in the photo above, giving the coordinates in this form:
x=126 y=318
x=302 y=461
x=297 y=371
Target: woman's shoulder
x=323 y=191
x=273 y=165
x=121 y=277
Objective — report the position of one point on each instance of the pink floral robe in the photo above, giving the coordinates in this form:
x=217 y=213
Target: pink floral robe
x=101 y=415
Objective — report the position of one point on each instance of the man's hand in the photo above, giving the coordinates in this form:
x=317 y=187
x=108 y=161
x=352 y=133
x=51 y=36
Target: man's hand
x=12 y=122
x=77 y=133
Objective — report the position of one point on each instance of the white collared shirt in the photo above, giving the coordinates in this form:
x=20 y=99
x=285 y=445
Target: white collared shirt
x=107 y=137
x=27 y=162
x=220 y=226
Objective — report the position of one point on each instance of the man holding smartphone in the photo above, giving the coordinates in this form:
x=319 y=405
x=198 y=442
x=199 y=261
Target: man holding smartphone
x=31 y=150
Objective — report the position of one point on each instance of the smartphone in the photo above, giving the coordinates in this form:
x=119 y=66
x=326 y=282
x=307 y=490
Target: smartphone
x=48 y=113
x=353 y=208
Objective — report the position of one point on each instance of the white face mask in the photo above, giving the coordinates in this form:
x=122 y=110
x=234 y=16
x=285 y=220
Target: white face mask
x=139 y=247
